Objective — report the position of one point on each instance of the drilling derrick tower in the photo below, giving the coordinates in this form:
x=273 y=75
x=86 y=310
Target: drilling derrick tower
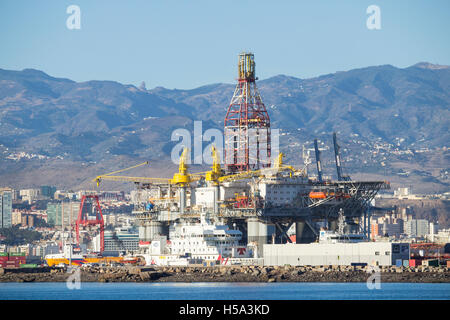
x=247 y=124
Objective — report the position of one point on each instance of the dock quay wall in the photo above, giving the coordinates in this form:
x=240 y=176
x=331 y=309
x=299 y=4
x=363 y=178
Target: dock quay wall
x=323 y=273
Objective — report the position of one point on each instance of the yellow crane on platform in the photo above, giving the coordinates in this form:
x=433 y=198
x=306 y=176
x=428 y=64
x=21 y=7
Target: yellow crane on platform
x=277 y=167
x=112 y=177
x=182 y=178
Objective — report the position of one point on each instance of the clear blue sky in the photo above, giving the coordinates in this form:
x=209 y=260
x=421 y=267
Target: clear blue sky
x=188 y=43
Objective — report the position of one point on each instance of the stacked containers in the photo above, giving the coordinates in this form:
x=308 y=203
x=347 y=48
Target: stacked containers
x=431 y=263
x=414 y=262
x=3 y=259
x=16 y=259
x=29 y=265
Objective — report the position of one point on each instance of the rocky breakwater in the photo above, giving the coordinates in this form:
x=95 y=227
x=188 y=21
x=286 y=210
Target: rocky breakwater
x=90 y=274
x=230 y=274
x=303 y=274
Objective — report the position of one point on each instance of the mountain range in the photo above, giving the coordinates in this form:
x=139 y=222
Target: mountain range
x=61 y=132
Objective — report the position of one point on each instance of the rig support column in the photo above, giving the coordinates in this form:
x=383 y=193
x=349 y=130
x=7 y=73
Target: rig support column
x=216 y=199
x=332 y=225
x=304 y=233
x=182 y=199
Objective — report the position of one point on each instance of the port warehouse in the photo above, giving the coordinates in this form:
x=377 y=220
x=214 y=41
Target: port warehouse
x=315 y=254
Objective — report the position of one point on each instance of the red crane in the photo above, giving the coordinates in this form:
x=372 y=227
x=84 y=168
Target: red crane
x=84 y=219
x=247 y=123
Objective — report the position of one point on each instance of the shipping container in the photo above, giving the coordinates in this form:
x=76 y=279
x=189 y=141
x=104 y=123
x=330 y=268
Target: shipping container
x=398 y=262
x=16 y=258
x=11 y=265
x=431 y=263
x=358 y=264
x=414 y=262
x=17 y=254
x=3 y=254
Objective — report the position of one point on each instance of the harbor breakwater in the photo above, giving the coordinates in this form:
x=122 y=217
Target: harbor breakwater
x=423 y=274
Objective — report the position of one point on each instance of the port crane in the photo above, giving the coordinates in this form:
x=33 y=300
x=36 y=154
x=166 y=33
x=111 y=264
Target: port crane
x=337 y=157
x=306 y=155
x=145 y=180
x=85 y=219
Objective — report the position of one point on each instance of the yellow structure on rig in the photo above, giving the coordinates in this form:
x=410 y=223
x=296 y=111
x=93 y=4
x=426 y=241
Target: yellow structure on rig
x=216 y=171
x=111 y=177
x=182 y=178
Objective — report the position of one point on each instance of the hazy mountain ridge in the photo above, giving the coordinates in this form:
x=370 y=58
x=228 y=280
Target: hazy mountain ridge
x=96 y=121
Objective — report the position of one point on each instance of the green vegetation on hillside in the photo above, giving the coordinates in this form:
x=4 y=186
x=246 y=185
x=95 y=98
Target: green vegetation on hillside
x=15 y=236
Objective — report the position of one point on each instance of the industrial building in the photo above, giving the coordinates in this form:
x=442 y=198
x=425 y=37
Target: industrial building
x=344 y=254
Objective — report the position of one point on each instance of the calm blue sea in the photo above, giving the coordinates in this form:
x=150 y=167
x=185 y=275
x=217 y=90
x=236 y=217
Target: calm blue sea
x=224 y=291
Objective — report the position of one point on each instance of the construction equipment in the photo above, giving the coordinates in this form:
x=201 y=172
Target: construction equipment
x=182 y=178
x=318 y=162
x=216 y=171
x=337 y=156
x=84 y=219
x=146 y=180
x=276 y=168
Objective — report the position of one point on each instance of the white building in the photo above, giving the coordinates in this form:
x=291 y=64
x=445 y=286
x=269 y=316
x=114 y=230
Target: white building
x=416 y=228
x=434 y=228
x=30 y=195
x=442 y=236
x=204 y=196
x=317 y=254
x=401 y=193
x=392 y=229
x=141 y=196
x=278 y=191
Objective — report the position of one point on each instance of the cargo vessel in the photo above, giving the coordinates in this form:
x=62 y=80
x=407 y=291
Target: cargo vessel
x=198 y=242
x=69 y=257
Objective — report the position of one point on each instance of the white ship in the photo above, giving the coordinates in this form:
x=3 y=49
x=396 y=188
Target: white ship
x=327 y=236
x=203 y=241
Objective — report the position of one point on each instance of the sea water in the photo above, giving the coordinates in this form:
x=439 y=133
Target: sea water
x=223 y=291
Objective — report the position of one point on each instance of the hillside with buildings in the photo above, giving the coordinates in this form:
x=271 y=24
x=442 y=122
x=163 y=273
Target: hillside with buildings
x=392 y=124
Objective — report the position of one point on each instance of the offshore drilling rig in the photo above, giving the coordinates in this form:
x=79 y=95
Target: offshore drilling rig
x=263 y=198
